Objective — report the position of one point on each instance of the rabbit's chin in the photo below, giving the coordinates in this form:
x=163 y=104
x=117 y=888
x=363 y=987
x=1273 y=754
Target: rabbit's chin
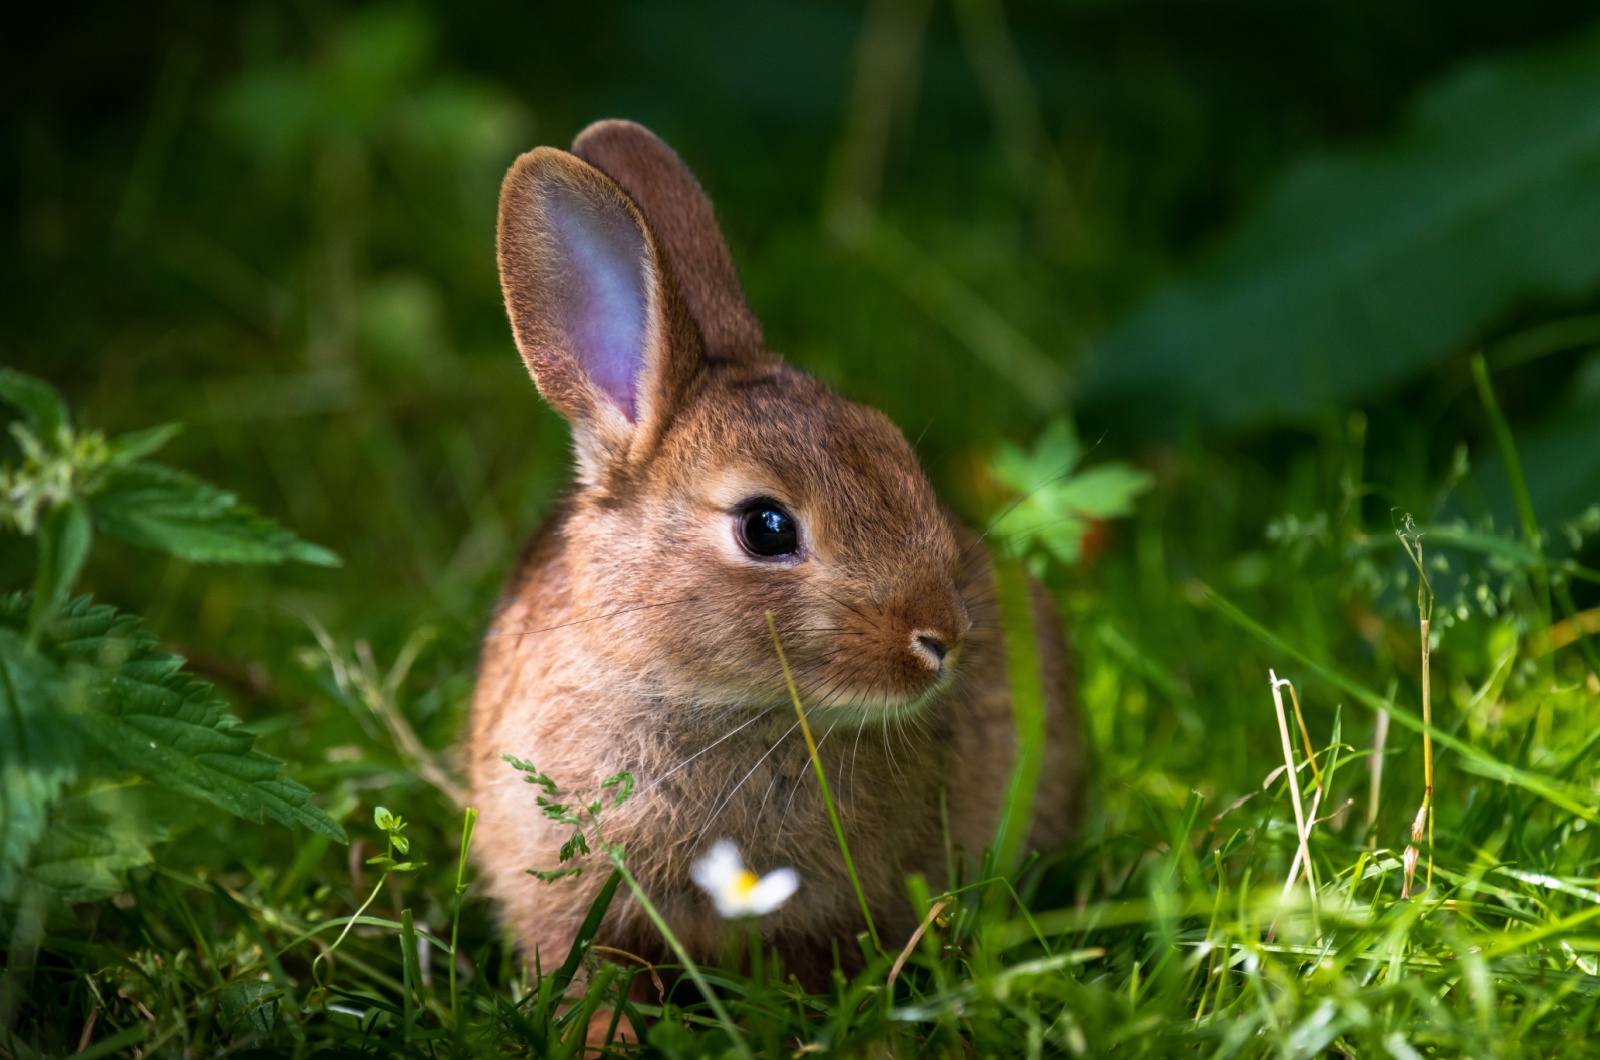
x=873 y=708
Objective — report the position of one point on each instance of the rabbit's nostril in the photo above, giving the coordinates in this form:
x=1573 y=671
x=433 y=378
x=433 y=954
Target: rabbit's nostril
x=930 y=647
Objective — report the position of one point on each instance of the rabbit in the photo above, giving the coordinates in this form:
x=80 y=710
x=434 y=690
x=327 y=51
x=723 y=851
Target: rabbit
x=715 y=484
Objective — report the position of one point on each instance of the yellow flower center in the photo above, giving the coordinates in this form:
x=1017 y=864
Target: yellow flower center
x=745 y=883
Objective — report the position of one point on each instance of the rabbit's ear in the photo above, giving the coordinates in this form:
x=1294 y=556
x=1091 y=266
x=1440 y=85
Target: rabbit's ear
x=680 y=216
x=592 y=304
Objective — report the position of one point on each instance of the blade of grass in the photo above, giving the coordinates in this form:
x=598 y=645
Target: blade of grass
x=1567 y=796
x=822 y=782
x=1027 y=710
x=1519 y=486
x=411 y=973
x=586 y=932
x=689 y=966
x=470 y=820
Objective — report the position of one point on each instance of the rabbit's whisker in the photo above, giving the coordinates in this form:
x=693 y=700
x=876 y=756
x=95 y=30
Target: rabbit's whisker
x=724 y=804
x=848 y=606
x=794 y=788
x=731 y=733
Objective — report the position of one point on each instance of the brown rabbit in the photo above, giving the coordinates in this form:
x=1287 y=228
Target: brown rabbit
x=716 y=484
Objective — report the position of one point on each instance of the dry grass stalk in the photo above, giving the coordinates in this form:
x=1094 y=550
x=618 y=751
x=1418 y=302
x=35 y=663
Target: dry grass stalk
x=1316 y=775
x=1301 y=829
x=1411 y=541
x=916 y=936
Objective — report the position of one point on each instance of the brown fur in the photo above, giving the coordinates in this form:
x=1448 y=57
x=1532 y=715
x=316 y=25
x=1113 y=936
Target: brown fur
x=633 y=637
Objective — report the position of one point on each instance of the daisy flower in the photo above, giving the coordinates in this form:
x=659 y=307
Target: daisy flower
x=735 y=889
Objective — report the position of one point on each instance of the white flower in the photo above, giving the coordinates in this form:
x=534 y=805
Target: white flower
x=735 y=889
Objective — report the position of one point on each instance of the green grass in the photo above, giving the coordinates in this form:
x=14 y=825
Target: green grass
x=282 y=237
x=1169 y=929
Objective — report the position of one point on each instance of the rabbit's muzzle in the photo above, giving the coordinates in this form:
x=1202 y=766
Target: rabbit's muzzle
x=898 y=651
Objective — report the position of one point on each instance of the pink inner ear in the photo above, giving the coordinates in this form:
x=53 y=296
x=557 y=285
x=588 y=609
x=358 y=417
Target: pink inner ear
x=600 y=297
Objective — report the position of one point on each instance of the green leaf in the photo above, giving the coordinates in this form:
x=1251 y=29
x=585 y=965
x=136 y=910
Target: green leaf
x=137 y=445
x=64 y=541
x=1055 y=453
x=1103 y=492
x=586 y=930
x=1057 y=502
x=248 y=1006
x=1364 y=268
x=42 y=408
x=162 y=508
x=148 y=716
x=37 y=753
x=93 y=839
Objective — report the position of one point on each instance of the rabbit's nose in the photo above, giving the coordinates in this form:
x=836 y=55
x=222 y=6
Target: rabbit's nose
x=930 y=647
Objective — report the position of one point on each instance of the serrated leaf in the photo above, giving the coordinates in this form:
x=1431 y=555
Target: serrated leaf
x=42 y=408
x=248 y=1006
x=137 y=445
x=1054 y=454
x=1102 y=492
x=1058 y=502
x=37 y=754
x=163 y=508
x=1364 y=268
x=148 y=716
x=93 y=839
x=64 y=541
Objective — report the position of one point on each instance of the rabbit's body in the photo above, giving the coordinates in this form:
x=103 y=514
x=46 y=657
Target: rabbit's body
x=634 y=638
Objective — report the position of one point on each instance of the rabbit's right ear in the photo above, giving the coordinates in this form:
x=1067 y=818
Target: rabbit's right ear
x=596 y=315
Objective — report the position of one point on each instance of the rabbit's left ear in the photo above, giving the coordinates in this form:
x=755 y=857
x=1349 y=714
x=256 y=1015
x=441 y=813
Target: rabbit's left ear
x=681 y=219
x=595 y=310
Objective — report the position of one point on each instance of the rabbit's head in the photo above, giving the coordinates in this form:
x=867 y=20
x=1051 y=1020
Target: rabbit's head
x=715 y=484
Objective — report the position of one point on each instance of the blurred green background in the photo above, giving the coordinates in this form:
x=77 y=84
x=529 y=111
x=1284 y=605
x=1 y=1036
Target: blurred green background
x=1243 y=243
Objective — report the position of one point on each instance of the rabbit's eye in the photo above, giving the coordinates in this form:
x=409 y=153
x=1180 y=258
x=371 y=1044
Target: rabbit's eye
x=767 y=530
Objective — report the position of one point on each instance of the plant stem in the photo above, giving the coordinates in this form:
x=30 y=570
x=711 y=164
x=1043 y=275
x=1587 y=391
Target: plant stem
x=682 y=954
x=822 y=781
x=471 y=820
x=352 y=922
x=1027 y=711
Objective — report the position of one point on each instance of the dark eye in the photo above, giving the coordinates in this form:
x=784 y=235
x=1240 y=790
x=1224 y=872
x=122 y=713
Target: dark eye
x=767 y=530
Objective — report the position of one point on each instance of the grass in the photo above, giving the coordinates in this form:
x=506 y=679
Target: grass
x=340 y=354
x=1237 y=892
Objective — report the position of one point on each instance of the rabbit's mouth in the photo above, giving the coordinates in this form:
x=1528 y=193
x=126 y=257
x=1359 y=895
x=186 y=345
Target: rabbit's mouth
x=876 y=705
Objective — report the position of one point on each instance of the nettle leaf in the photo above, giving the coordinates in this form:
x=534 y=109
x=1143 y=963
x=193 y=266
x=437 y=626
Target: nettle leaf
x=93 y=839
x=163 y=508
x=38 y=753
x=248 y=1006
x=1058 y=503
x=147 y=716
x=42 y=408
x=136 y=445
x=1365 y=268
x=63 y=549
